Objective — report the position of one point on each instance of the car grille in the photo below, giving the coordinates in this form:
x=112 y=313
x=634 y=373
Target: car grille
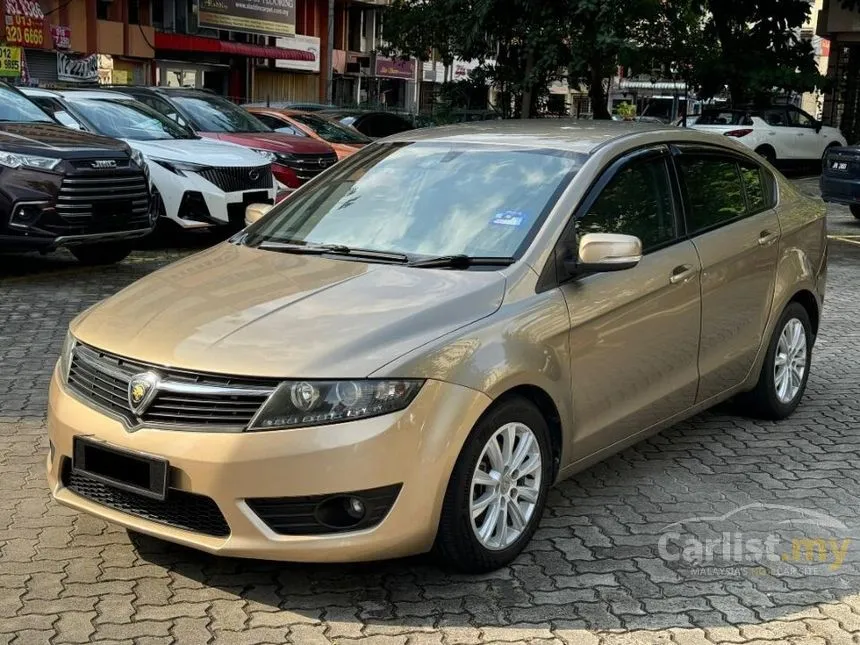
x=307 y=167
x=307 y=516
x=232 y=180
x=193 y=400
x=180 y=509
x=100 y=203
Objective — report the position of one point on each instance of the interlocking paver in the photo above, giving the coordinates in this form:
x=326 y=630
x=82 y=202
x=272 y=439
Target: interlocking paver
x=594 y=574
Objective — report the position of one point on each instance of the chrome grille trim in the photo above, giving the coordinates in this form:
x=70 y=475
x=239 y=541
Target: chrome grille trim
x=235 y=179
x=307 y=167
x=184 y=399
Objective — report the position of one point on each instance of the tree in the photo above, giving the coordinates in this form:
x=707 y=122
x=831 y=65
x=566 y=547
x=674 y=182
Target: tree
x=532 y=42
x=751 y=47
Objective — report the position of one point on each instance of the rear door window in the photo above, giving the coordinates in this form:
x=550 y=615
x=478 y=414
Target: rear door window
x=714 y=189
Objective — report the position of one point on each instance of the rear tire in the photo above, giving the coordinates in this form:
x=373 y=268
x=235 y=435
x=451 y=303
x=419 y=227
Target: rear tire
x=478 y=541
x=855 y=210
x=781 y=384
x=768 y=153
x=101 y=254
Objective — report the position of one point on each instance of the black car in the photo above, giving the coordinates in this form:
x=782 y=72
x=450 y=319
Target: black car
x=840 y=177
x=371 y=124
x=64 y=188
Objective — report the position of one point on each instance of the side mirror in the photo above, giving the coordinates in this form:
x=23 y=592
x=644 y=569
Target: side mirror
x=254 y=212
x=818 y=126
x=600 y=252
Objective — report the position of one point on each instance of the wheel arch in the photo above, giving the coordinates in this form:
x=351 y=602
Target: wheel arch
x=548 y=409
x=808 y=301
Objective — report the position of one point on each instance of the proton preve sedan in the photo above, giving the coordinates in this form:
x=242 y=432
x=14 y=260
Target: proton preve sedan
x=407 y=353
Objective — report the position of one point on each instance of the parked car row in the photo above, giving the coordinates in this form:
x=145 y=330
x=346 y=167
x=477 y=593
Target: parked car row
x=93 y=169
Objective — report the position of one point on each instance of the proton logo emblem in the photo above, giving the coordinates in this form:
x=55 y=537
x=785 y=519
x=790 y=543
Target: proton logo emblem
x=104 y=163
x=254 y=175
x=142 y=388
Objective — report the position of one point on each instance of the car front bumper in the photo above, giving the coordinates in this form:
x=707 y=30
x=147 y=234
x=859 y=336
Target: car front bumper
x=416 y=448
x=193 y=202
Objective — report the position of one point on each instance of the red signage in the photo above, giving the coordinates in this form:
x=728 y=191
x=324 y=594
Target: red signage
x=24 y=23
x=825 y=48
x=62 y=37
x=25 y=31
x=395 y=68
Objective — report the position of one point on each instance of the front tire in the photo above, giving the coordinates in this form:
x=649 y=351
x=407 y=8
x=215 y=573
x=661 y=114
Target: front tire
x=101 y=254
x=785 y=371
x=497 y=492
x=855 y=210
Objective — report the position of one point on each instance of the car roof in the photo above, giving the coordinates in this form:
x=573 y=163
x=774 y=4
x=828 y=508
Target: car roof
x=96 y=94
x=38 y=91
x=582 y=136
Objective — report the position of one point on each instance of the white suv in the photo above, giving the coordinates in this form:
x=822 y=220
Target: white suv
x=781 y=133
x=196 y=183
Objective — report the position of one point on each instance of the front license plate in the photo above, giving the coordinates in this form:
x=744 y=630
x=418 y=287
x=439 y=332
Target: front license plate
x=130 y=471
x=257 y=197
x=839 y=165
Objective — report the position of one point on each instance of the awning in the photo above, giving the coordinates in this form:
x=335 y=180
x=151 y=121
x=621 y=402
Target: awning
x=184 y=43
x=665 y=86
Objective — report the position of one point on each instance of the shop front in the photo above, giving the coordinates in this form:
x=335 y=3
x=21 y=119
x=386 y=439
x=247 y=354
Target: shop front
x=287 y=79
x=394 y=82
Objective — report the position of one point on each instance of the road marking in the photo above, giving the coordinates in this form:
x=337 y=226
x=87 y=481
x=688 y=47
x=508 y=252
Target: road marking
x=845 y=238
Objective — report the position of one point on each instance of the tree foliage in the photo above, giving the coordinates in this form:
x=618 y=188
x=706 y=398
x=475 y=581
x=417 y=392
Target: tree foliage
x=750 y=47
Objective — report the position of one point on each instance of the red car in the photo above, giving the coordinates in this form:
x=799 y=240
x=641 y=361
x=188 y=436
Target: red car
x=295 y=160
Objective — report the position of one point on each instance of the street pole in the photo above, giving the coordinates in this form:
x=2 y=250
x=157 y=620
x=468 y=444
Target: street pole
x=330 y=55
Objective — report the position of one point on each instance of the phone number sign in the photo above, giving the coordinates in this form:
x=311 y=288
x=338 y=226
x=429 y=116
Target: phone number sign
x=24 y=30
x=10 y=61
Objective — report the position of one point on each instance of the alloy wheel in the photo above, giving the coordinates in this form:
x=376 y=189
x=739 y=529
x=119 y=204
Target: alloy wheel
x=505 y=486
x=789 y=365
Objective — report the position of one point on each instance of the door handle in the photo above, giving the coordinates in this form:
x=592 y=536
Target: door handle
x=766 y=238
x=681 y=273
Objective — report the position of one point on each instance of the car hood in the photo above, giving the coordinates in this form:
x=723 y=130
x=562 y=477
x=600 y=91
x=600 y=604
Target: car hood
x=243 y=311
x=56 y=140
x=273 y=141
x=212 y=153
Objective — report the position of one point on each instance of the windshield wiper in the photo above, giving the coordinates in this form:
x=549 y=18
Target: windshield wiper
x=334 y=249
x=462 y=262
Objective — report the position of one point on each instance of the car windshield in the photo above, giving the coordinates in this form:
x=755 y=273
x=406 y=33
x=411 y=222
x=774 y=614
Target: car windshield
x=214 y=114
x=17 y=108
x=426 y=199
x=124 y=119
x=330 y=131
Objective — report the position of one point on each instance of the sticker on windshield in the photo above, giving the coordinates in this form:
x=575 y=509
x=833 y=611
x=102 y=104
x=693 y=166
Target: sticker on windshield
x=509 y=218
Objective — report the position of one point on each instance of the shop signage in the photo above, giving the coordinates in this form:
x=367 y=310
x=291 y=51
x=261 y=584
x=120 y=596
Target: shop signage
x=265 y=17
x=10 y=61
x=62 y=37
x=24 y=23
x=309 y=44
x=23 y=30
x=395 y=68
x=74 y=68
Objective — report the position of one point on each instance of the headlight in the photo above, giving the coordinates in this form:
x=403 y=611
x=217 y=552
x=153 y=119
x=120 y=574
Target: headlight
x=138 y=158
x=65 y=362
x=268 y=155
x=180 y=167
x=274 y=157
x=297 y=404
x=12 y=160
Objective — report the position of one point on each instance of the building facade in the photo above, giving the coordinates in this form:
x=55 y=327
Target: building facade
x=841 y=103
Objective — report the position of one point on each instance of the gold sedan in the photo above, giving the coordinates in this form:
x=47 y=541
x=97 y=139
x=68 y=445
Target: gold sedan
x=409 y=351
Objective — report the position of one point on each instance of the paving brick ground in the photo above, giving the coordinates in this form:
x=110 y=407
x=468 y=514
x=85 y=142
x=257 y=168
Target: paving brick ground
x=595 y=572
